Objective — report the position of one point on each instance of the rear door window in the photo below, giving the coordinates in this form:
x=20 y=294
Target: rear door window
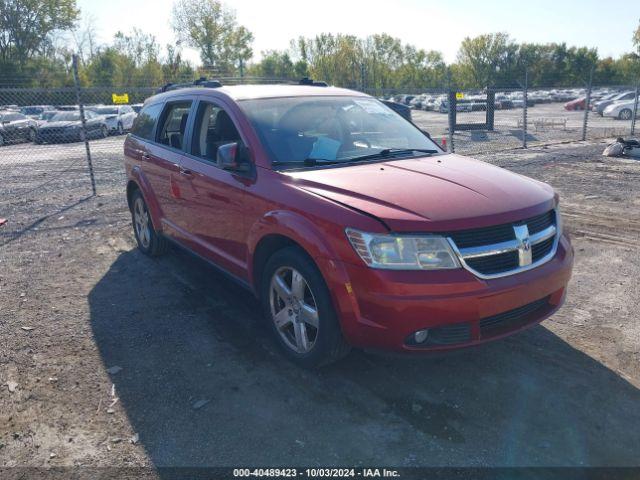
x=144 y=127
x=173 y=124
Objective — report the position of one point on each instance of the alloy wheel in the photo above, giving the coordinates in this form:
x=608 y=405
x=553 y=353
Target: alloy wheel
x=294 y=310
x=625 y=114
x=142 y=223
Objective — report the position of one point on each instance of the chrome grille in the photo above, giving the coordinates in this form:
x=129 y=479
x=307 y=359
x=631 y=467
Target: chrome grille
x=506 y=249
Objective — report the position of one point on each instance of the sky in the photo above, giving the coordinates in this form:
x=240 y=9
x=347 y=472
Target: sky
x=431 y=25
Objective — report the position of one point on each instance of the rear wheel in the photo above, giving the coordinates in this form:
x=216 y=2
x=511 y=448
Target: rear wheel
x=296 y=301
x=32 y=135
x=1 y=141
x=104 y=132
x=120 y=129
x=625 y=114
x=149 y=242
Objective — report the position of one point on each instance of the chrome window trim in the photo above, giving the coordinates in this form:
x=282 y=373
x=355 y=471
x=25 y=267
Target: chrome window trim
x=509 y=246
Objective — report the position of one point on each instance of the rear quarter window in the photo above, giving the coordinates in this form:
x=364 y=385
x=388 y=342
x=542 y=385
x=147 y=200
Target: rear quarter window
x=144 y=126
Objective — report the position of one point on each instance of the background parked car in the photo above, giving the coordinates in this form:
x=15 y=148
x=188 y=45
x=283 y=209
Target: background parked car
x=617 y=98
x=46 y=117
x=67 y=127
x=118 y=118
x=620 y=110
x=16 y=127
x=35 y=111
x=577 y=104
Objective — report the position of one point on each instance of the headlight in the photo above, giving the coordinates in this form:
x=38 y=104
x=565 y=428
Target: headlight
x=400 y=252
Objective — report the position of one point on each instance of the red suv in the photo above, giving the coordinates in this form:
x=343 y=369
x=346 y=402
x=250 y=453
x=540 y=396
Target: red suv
x=350 y=224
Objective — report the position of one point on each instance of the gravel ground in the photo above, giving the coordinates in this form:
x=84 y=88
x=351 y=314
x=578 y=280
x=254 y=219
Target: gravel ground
x=109 y=358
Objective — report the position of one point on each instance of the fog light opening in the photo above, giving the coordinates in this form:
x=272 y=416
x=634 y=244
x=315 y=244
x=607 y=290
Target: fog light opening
x=421 y=336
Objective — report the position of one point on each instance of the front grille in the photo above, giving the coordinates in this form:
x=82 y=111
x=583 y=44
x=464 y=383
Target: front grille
x=512 y=319
x=485 y=247
x=495 y=263
x=483 y=236
x=542 y=249
x=500 y=233
x=449 y=334
x=539 y=223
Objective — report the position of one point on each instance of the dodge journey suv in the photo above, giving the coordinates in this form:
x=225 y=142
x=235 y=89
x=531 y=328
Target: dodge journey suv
x=349 y=223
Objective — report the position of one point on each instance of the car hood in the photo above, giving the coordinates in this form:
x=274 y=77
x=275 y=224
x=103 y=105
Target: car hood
x=438 y=193
x=621 y=104
x=61 y=124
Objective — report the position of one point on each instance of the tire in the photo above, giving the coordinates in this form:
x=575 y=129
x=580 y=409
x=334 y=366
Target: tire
x=286 y=316
x=120 y=130
x=149 y=241
x=104 y=132
x=1 y=141
x=33 y=135
x=625 y=114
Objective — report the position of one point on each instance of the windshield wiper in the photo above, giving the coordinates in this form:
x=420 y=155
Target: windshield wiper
x=390 y=152
x=308 y=162
x=386 y=153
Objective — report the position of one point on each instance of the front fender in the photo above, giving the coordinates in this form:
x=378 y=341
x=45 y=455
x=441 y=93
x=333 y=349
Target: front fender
x=138 y=176
x=315 y=242
x=294 y=226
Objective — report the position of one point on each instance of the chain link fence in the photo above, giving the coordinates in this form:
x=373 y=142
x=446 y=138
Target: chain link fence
x=505 y=118
x=59 y=147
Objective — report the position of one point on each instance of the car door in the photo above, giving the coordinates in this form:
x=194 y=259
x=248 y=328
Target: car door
x=22 y=126
x=162 y=157
x=211 y=203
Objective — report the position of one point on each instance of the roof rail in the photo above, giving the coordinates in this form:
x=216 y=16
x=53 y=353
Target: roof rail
x=312 y=83
x=201 y=82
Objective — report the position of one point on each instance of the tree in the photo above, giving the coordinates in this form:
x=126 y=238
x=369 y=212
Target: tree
x=210 y=27
x=636 y=39
x=141 y=47
x=26 y=26
x=489 y=59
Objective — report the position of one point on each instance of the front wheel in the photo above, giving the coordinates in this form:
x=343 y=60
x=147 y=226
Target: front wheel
x=120 y=129
x=33 y=135
x=296 y=301
x=149 y=241
x=104 y=132
x=625 y=114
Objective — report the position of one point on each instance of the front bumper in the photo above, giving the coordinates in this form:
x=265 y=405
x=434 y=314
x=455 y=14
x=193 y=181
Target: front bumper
x=44 y=136
x=382 y=309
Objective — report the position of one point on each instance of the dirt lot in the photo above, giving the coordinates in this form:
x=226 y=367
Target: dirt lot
x=109 y=358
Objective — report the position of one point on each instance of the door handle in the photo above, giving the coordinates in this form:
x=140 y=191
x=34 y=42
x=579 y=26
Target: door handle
x=145 y=156
x=185 y=172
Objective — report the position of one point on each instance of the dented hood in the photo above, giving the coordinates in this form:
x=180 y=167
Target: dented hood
x=437 y=193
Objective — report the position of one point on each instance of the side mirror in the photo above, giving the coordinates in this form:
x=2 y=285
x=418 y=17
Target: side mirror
x=234 y=157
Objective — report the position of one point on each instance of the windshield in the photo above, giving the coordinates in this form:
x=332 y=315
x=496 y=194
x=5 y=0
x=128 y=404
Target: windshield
x=106 y=111
x=66 y=117
x=336 y=129
x=31 y=110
